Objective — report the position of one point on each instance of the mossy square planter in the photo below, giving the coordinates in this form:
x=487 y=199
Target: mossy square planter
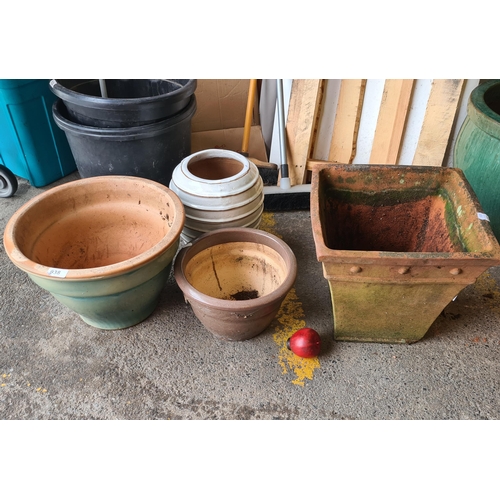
x=397 y=244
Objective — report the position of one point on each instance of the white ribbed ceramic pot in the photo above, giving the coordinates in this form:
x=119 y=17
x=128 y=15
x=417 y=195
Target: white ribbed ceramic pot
x=219 y=189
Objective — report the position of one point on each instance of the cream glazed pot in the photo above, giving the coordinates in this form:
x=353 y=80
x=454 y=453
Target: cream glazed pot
x=219 y=189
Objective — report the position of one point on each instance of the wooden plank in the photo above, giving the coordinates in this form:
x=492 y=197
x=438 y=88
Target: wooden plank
x=313 y=164
x=438 y=122
x=347 y=117
x=318 y=118
x=300 y=124
x=391 y=121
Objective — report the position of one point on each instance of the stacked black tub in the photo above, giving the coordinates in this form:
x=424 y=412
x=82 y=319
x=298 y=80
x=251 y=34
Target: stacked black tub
x=126 y=127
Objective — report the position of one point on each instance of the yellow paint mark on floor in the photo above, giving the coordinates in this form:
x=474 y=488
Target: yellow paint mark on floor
x=5 y=375
x=290 y=318
x=268 y=224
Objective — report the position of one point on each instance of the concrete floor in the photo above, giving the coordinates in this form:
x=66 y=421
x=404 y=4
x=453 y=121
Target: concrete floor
x=54 y=366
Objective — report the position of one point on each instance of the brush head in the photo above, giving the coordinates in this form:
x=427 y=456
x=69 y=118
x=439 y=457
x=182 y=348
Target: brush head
x=269 y=176
x=295 y=198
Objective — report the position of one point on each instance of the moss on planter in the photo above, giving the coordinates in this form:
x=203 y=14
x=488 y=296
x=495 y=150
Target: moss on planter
x=397 y=244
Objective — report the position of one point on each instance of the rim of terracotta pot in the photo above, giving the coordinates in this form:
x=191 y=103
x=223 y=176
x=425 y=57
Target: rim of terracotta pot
x=480 y=111
x=125 y=266
x=366 y=257
x=234 y=235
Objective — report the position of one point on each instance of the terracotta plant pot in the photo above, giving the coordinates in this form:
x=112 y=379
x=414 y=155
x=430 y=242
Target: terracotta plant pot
x=219 y=189
x=102 y=246
x=397 y=244
x=235 y=280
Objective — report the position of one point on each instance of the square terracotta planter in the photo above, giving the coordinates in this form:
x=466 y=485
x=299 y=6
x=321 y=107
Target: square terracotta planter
x=397 y=244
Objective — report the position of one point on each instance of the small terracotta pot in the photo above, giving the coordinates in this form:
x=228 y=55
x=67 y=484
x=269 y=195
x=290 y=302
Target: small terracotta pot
x=103 y=246
x=235 y=280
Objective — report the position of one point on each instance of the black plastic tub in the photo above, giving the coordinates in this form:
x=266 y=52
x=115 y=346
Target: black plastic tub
x=150 y=151
x=128 y=103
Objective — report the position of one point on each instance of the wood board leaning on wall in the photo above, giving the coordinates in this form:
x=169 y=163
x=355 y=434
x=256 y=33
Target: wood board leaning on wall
x=393 y=121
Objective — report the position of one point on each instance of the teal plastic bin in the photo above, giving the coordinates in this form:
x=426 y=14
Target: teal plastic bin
x=31 y=145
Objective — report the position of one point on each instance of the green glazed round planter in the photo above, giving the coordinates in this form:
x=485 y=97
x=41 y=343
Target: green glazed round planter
x=477 y=149
x=102 y=246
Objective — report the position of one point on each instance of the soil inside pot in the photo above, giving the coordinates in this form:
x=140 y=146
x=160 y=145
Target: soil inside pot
x=380 y=225
x=213 y=169
x=245 y=295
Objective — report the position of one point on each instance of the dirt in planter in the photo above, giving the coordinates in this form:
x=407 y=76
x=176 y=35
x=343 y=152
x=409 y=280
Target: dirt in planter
x=245 y=295
x=413 y=226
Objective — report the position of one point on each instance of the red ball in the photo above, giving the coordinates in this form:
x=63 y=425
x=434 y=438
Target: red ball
x=305 y=343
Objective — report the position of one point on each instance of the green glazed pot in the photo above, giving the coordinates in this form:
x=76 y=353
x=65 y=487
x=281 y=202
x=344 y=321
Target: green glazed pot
x=477 y=149
x=103 y=246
